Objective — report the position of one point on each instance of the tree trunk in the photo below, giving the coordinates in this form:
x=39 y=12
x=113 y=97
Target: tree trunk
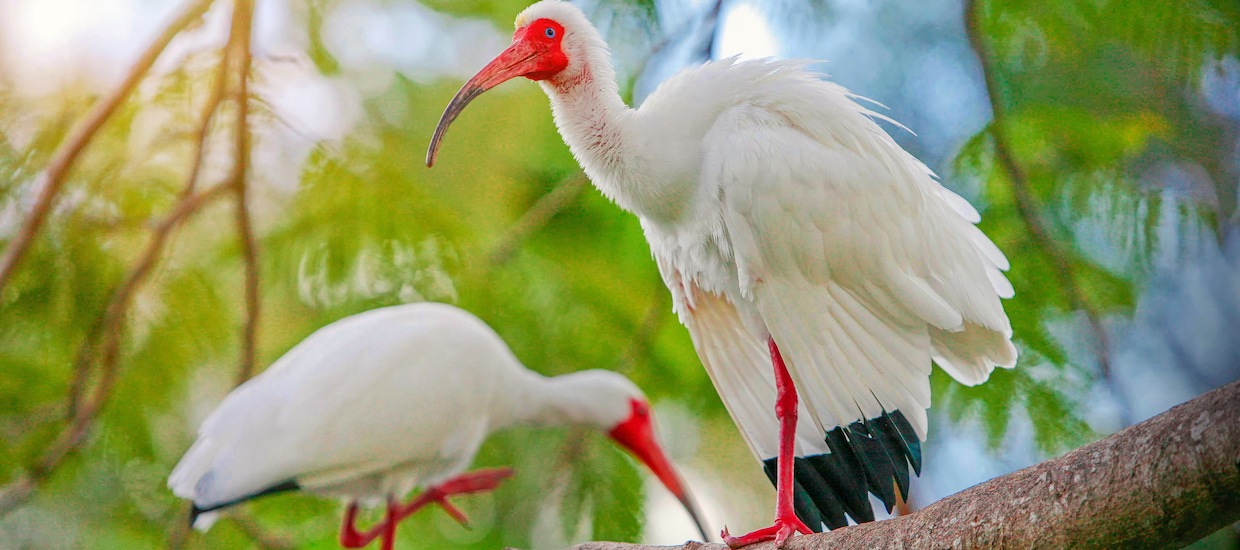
x=1163 y=483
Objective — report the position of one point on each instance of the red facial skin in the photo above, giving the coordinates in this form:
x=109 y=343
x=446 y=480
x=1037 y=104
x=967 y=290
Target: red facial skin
x=535 y=53
x=551 y=60
x=637 y=435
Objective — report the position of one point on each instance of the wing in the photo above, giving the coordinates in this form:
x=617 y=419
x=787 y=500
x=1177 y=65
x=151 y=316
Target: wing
x=739 y=365
x=829 y=484
x=364 y=395
x=862 y=266
x=863 y=269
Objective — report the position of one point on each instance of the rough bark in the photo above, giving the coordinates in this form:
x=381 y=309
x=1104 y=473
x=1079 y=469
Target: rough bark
x=1163 y=483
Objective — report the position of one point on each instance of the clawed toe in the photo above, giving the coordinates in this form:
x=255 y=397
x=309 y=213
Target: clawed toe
x=780 y=533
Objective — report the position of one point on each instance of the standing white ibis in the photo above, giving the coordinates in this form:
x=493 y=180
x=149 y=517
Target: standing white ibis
x=374 y=405
x=807 y=253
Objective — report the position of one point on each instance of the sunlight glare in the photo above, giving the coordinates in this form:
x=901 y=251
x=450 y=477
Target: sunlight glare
x=745 y=32
x=48 y=41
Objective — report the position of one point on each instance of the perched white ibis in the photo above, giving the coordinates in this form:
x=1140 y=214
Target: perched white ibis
x=806 y=252
x=374 y=405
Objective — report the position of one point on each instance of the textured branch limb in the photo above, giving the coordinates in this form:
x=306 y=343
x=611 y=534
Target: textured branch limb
x=80 y=136
x=537 y=216
x=1027 y=209
x=1160 y=484
x=243 y=17
x=119 y=302
x=18 y=492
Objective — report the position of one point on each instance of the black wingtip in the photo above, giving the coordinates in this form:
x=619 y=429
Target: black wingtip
x=912 y=445
x=880 y=469
x=867 y=457
x=194 y=512
x=284 y=487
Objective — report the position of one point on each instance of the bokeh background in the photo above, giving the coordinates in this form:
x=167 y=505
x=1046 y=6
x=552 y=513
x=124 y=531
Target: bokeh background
x=1122 y=120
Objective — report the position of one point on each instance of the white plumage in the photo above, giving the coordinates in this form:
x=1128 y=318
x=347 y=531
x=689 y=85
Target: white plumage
x=778 y=210
x=374 y=405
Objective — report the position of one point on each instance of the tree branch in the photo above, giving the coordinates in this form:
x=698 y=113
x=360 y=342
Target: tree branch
x=119 y=303
x=537 y=216
x=1027 y=209
x=268 y=541
x=646 y=331
x=64 y=157
x=710 y=20
x=243 y=17
x=19 y=491
x=1160 y=484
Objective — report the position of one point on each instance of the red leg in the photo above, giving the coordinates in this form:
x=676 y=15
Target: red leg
x=467 y=483
x=350 y=537
x=464 y=484
x=786 y=521
x=389 y=525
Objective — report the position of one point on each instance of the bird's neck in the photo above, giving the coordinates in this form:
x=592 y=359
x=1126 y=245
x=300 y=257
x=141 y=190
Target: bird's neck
x=604 y=136
x=552 y=401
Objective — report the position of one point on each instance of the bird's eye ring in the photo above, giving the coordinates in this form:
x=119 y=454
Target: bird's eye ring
x=550 y=32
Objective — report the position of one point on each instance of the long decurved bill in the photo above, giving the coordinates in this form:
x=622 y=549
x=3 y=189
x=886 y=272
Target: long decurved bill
x=519 y=59
x=637 y=435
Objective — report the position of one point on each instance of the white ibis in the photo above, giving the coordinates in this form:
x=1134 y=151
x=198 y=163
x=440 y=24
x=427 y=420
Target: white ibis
x=374 y=405
x=819 y=267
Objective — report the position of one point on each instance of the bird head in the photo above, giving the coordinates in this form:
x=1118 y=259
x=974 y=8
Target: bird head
x=612 y=403
x=553 y=42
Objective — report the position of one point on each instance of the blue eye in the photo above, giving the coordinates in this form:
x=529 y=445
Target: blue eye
x=550 y=32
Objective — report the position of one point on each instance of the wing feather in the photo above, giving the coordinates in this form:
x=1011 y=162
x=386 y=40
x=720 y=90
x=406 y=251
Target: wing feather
x=739 y=366
x=863 y=268
x=363 y=395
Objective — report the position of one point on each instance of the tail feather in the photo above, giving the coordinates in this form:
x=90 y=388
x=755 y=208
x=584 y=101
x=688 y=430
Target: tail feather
x=191 y=479
x=971 y=354
x=871 y=456
x=201 y=518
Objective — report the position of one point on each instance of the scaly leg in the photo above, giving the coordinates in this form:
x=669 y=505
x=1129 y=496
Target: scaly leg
x=349 y=535
x=467 y=483
x=464 y=484
x=786 y=520
x=389 y=525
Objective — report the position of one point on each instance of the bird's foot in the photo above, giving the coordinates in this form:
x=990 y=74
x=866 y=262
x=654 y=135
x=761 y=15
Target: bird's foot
x=350 y=537
x=473 y=482
x=464 y=484
x=780 y=532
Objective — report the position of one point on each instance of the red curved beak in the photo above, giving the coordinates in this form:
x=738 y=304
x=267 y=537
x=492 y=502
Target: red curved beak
x=519 y=59
x=637 y=435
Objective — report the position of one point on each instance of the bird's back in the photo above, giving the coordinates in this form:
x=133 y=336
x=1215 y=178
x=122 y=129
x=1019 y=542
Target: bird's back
x=405 y=388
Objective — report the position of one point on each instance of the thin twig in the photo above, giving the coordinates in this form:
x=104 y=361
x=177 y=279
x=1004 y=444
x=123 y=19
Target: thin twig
x=537 y=216
x=651 y=322
x=64 y=157
x=711 y=19
x=120 y=298
x=203 y=130
x=248 y=525
x=1027 y=209
x=176 y=533
x=243 y=17
x=72 y=435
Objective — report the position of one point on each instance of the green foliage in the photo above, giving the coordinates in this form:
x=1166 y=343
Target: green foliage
x=368 y=226
x=1078 y=144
